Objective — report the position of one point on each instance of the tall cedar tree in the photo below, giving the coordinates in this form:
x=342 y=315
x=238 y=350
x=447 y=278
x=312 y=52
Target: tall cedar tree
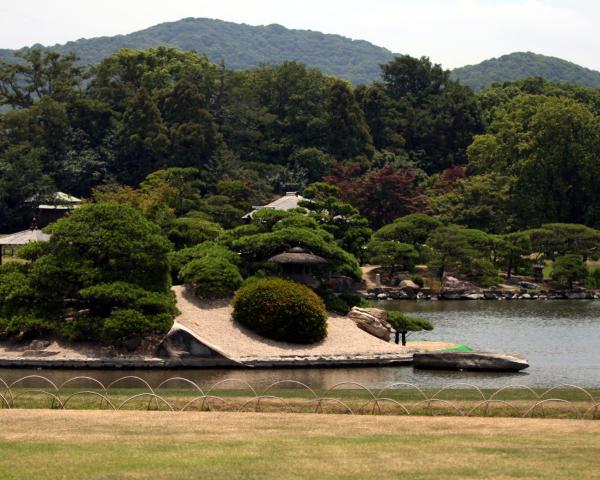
x=142 y=140
x=192 y=130
x=385 y=124
x=348 y=133
x=439 y=116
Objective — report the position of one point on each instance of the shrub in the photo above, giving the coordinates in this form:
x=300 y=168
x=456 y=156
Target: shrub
x=343 y=302
x=180 y=258
x=32 y=250
x=281 y=310
x=593 y=281
x=124 y=323
x=29 y=324
x=482 y=271
x=187 y=231
x=211 y=277
x=419 y=280
x=104 y=298
x=334 y=303
x=569 y=269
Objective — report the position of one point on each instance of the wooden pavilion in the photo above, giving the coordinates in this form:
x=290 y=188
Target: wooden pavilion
x=301 y=265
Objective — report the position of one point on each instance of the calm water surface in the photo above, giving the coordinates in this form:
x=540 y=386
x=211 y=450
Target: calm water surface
x=561 y=340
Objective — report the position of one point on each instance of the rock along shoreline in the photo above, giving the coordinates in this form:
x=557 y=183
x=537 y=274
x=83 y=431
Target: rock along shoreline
x=393 y=293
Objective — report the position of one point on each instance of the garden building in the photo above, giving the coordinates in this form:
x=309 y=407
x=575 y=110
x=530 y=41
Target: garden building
x=287 y=202
x=10 y=243
x=301 y=265
x=55 y=207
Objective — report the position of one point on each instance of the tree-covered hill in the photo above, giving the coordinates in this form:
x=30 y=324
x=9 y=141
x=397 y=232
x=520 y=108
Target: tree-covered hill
x=242 y=46
x=520 y=65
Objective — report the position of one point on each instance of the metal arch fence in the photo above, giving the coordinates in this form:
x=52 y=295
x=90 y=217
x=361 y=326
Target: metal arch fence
x=336 y=399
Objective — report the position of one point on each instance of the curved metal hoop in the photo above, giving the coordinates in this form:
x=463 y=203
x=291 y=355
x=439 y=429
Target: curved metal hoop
x=54 y=397
x=179 y=379
x=11 y=393
x=204 y=398
x=4 y=401
x=541 y=403
x=146 y=394
x=258 y=398
x=89 y=392
x=232 y=380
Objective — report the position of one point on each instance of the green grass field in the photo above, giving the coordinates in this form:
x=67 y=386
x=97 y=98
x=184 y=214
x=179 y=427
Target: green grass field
x=229 y=446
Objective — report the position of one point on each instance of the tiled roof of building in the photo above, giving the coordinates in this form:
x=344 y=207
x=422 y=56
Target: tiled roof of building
x=289 y=201
x=24 y=237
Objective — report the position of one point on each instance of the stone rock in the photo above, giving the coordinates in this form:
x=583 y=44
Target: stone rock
x=38 y=353
x=39 y=344
x=409 y=285
x=474 y=296
x=578 y=295
x=399 y=295
x=450 y=295
x=382 y=296
x=131 y=343
x=455 y=289
x=373 y=321
x=179 y=342
x=499 y=362
x=451 y=281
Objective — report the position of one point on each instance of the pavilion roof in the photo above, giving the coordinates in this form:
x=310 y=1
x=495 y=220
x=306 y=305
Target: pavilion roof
x=24 y=237
x=299 y=256
x=289 y=201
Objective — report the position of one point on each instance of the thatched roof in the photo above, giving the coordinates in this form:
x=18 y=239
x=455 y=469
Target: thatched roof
x=298 y=256
x=24 y=237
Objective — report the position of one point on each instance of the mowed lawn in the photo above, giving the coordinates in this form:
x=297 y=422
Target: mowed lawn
x=164 y=445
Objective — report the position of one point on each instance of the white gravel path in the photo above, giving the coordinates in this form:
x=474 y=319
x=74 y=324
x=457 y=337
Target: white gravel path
x=211 y=322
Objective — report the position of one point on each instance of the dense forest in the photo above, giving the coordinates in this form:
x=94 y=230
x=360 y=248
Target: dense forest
x=170 y=151
x=512 y=156
x=241 y=46
x=521 y=65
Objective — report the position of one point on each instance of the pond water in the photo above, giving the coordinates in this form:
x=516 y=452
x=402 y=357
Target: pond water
x=561 y=340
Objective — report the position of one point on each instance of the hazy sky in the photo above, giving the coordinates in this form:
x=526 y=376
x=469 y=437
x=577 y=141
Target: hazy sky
x=451 y=32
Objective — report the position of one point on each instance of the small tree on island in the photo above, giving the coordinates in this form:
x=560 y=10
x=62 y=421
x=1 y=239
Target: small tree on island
x=405 y=324
x=569 y=269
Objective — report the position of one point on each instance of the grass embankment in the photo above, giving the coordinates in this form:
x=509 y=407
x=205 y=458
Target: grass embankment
x=451 y=402
x=152 y=445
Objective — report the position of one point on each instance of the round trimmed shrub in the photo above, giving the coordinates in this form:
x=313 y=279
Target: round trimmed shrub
x=211 y=277
x=281 y=310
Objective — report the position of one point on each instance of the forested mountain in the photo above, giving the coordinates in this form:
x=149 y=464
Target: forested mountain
x=242 y=46
x=521 y=65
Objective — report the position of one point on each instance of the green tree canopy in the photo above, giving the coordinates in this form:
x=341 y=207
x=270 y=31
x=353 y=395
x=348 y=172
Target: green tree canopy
x=549 y=145
x=404 y=324
x=103 y=274
x=568 y=269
